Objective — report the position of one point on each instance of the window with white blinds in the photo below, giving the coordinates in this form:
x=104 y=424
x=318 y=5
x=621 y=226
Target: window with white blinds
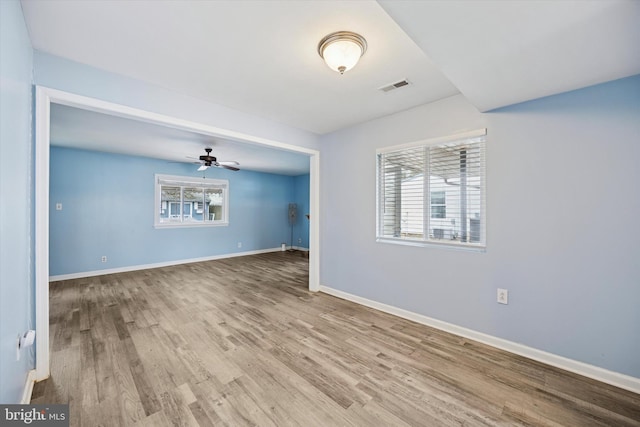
x=433 y=191
x=190 y=202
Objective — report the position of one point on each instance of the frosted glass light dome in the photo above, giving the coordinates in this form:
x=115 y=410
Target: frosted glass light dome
x=342 y=50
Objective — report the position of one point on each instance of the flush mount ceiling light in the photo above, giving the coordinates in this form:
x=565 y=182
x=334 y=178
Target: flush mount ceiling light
x=342 y=50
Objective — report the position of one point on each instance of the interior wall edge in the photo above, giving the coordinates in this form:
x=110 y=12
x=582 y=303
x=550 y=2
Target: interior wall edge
x=616 y=379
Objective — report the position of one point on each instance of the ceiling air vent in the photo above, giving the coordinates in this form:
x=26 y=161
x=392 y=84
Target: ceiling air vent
x=393 y=86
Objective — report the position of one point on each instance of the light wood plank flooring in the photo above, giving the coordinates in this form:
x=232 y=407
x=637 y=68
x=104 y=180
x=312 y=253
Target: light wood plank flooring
x=242 y=342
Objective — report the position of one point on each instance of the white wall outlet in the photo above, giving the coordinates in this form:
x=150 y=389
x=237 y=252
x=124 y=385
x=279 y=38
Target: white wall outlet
x=104 y=258
x=299 y=240
x=58 y=206
x=503 y=296
x=239 y=244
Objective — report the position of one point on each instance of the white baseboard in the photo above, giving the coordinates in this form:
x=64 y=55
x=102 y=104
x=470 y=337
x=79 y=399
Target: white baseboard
x=626 y=382
x=83 y=274
x=28 y=387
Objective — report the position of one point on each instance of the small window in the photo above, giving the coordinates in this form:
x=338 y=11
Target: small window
x=438 y=204
x=186 y=201
x=433 y=192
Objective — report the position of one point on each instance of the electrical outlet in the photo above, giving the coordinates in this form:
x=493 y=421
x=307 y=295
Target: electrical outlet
x=58 y=206
x=503 y=296
x=239 y=244
x=299 y=240
x=104 y=258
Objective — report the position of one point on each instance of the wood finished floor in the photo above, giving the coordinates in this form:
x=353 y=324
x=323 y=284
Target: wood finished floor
x=242 y=342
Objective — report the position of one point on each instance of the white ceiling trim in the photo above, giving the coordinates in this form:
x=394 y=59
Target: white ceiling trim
x=118 y=110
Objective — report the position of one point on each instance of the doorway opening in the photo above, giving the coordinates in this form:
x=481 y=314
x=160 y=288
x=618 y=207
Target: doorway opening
x=44 y=98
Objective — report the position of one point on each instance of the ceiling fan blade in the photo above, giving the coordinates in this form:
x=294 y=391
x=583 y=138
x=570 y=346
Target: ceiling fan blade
x=230 y=163
x=191 y=160
x=203 y=168
x=231 y=168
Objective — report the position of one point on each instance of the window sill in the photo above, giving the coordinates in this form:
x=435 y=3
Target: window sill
x=433 y=244
x=190 y=225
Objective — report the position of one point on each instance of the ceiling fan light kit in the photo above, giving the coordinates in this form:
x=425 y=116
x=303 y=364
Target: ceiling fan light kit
x=342 y=50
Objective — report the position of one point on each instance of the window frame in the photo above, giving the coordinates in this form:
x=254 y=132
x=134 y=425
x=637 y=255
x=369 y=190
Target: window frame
x=426 y=240
x=189 y=182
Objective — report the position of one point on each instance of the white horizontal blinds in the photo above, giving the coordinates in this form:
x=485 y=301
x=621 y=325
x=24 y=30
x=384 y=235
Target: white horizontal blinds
x=402 y=174
x=457 y=191
x=192 y=184
x=433 y=192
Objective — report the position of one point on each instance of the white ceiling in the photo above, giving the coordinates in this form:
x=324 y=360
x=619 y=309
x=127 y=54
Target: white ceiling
x=499 y=53
x=260 y=57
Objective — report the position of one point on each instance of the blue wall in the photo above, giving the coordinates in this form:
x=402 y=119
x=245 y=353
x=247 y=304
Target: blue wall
x=108 y=206
x=563 y=226
x=16 y=212
x=301 y=198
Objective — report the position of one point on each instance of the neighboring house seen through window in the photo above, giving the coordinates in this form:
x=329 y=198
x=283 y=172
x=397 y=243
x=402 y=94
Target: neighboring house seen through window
x=188 y=201
x=433 y=192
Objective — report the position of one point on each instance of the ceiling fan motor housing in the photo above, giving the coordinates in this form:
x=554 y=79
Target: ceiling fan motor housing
x=208 y=159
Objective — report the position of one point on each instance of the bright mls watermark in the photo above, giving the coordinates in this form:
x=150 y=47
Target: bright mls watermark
x=34 y=415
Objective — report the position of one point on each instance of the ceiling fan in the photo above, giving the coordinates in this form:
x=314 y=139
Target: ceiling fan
x=207 y=160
